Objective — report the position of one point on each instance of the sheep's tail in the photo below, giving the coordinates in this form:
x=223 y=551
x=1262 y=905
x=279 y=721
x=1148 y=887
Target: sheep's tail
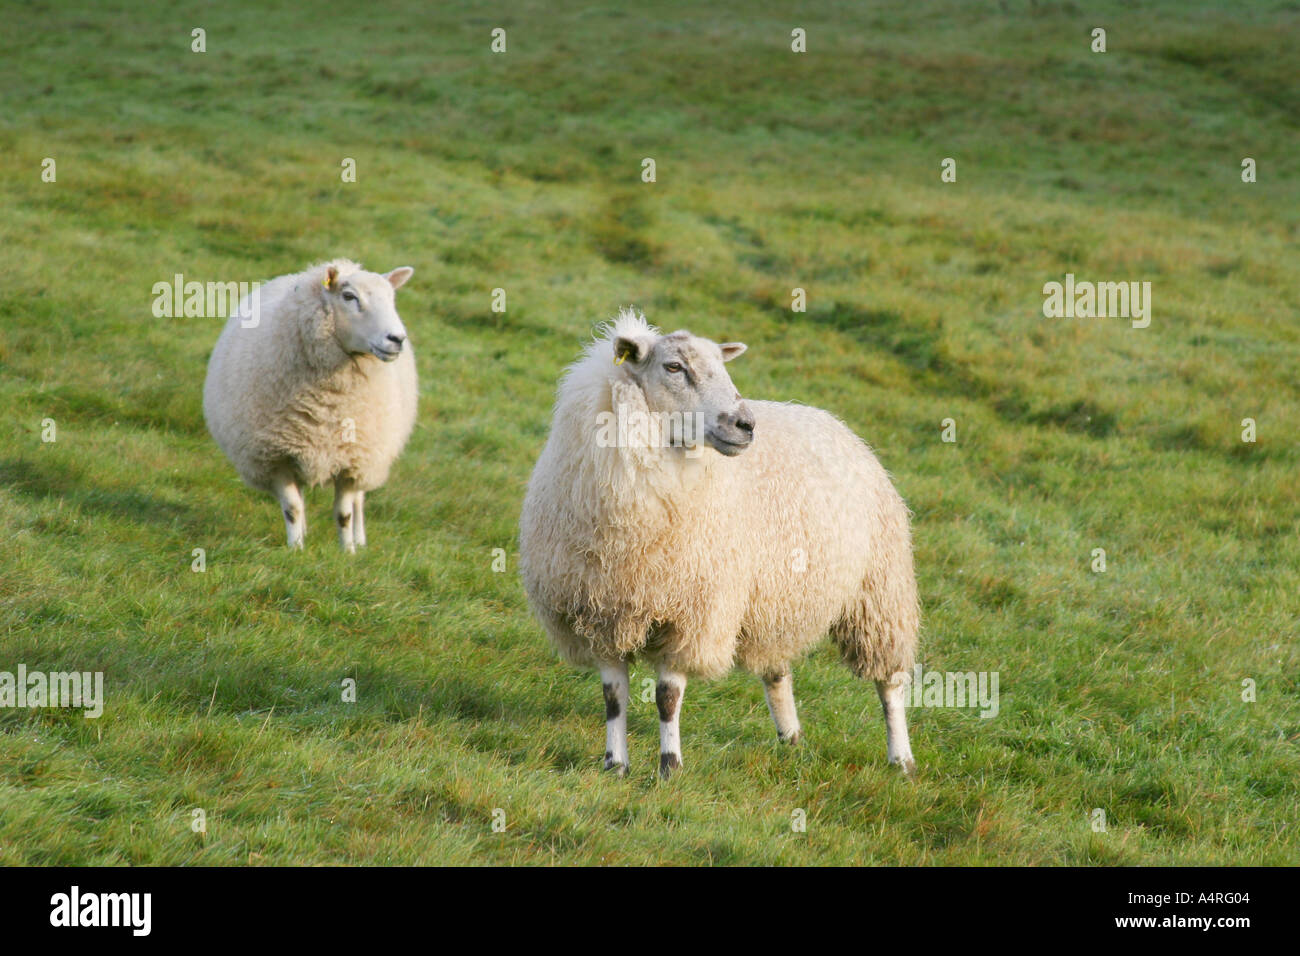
x=877 y=634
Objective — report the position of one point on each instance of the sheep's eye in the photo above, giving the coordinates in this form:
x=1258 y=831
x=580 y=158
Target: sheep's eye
x=673 y=366
x=349 y=297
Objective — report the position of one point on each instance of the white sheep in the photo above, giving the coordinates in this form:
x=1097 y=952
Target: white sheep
x=313 y=380
x=668 y=519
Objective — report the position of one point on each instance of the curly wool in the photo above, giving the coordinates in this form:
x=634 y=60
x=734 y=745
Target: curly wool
x=285 y=395
x=710 y=563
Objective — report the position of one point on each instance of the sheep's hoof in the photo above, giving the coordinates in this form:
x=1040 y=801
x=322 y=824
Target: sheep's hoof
x=793 y=740
x=668 y=765
x=617 y=769
x=908 y=766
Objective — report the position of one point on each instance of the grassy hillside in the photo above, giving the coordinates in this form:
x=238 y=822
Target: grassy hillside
x=1119 y=690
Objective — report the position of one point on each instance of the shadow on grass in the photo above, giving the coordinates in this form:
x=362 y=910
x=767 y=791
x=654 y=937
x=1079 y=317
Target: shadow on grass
x=919 y=347
x=51 y=480
x=169 y=408
x=253 y=681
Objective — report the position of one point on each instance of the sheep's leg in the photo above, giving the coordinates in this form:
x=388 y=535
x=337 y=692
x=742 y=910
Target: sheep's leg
x=779 y=689
x=359 y=519
x=891 y=701
x=613 y=679
x=668 y=698
x=291 y=506
x=345 y=496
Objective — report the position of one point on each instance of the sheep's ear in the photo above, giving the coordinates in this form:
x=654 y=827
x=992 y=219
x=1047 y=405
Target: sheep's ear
x=731 y=350
x=397 y=278
x=332 y=279
x=627 y=348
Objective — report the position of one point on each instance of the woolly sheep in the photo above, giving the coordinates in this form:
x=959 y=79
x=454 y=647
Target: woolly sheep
x=670 y=520
x=319 y=387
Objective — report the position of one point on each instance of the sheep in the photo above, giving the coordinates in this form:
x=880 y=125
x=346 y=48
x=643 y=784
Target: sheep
x=313 y=380
x=670 y=520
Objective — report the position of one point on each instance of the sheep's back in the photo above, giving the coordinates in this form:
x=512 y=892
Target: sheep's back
x=823 y=517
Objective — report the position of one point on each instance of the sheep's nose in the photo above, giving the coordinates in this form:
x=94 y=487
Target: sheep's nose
x=742 y=418
x=396 y=339
x=745 y=419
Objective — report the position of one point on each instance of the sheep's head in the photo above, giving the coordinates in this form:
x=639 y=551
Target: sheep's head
x=686 y=386
x=365 y=311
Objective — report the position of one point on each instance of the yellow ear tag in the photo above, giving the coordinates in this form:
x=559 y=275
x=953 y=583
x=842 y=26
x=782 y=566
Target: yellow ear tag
x=619 y=360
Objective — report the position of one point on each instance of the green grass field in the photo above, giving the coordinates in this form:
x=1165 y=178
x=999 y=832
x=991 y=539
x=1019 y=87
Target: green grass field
x=1120 y=691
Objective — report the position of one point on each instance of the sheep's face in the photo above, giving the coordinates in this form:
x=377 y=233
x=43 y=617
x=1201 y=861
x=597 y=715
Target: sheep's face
x=365 y=312
x=687 y=388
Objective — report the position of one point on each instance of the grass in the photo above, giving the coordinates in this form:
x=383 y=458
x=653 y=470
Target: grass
x=1120 y=691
